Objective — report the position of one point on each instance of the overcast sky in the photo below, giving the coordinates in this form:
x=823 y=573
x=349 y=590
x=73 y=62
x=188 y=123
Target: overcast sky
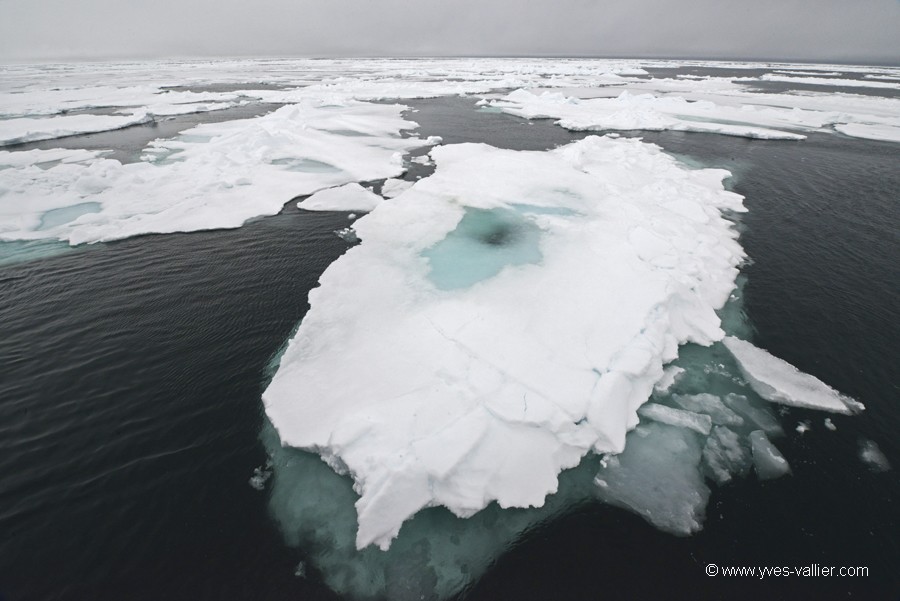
x=864 y=31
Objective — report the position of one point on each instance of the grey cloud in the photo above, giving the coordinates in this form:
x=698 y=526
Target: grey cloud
x=823 y=30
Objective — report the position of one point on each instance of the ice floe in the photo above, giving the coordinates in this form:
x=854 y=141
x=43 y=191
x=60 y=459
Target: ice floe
x=768 y=461
x=594 y=262
x=778 y=381
x=212 y=176
x=349 y=197
x=871 y=455
x=27 y=129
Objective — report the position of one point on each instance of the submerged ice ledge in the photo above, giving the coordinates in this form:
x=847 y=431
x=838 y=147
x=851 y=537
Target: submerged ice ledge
x=461 y=395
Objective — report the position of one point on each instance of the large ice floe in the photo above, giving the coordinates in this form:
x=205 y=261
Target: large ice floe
x=501 y=319
x=517 y=334
x=728 y=112
x=212 y=176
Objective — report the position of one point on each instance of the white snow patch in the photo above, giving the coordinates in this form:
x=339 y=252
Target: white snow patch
x=349 y=197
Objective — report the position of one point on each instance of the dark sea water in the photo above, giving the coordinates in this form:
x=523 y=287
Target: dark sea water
x=131 y=373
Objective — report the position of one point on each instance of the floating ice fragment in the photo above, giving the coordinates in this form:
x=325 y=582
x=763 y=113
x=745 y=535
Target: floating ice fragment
x=395 y=187
x=349 y=197
x=830 y=424
x=657 y=477
x=347 y=234
x=260 y=476
x=724 y=456
x=711 y=405
x=676 y=417
x=669 y=378
x=872 y=456
x=778 y=381
x=803 y=427
x=769 y=462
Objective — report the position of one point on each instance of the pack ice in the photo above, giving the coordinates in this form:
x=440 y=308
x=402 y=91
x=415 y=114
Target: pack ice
x=212 y=176
x=501 y=319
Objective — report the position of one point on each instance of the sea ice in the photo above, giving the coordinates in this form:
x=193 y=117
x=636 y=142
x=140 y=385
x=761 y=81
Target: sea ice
x=212 y=176
x=724 y=456
x=468 y=391
x=28 y=129
x=394 y=187
x=755 y=415
x=669 y=378
x=711 y=405
x=767 y=460
x=872 y=456
x=778 y=381
x=676 y=417
x=349 y=197
x=659 y=480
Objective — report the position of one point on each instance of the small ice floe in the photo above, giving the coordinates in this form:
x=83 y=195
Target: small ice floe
x=347 y=234
x=872 y=456
x=351 y=216
x=768 y=460
x=830 y=424
x=676 y=417
x=778 y=381
x=670 y=376
x=300 y=570
x=349 y=197
x=803 y=427
x=260 y=476
x=395 y=187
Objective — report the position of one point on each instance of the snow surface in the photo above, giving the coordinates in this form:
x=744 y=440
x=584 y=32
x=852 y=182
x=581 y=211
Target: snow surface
x=778 y=381
x=460 y=396
x=212 y=176
x=27 y=129
x=349 y=197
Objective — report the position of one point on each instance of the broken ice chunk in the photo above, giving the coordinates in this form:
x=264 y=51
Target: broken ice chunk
x=349 y=197
x=872 y=456
x=669 y=377
x=803 y=427
x=676 y=417
x=778 y=381
x=724 y=456
x=657 y=478
x=710 y=405
x=395 y=187
x=769 y=462
x=830 y=424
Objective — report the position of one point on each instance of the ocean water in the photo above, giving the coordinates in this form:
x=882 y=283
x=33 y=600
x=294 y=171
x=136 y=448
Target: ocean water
x=131 y=373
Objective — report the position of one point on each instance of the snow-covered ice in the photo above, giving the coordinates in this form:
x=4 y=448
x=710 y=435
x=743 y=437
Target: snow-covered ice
x=28 y=129
x=778 y=381
x=212 y=176
x=491 y=387
x=349 y=197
